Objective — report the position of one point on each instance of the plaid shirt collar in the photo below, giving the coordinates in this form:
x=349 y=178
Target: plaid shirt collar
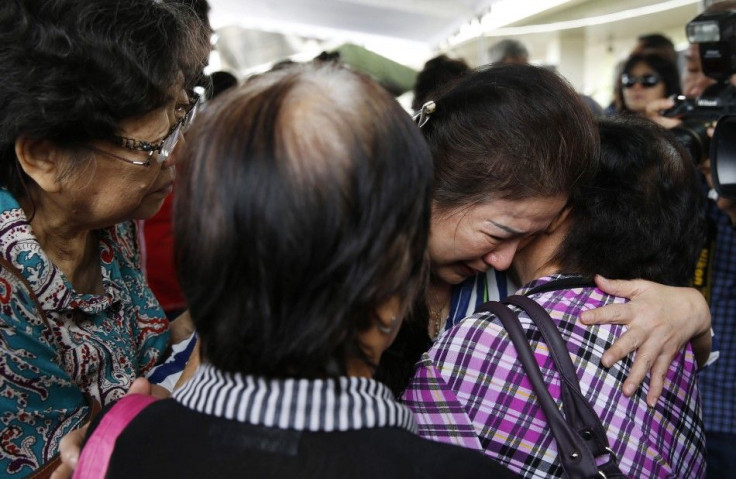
x=340 y=404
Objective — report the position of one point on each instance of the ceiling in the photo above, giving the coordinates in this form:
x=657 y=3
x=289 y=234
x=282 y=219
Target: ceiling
x=421 y=21
x=255 y=33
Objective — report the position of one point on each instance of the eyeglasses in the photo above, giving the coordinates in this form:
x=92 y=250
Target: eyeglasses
x=647 y=81
x=165 y=147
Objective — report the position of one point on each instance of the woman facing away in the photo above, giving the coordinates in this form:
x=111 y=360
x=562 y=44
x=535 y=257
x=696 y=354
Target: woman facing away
x=509 y=143
x=93 y=102
x=300 y=231
x=639 y=217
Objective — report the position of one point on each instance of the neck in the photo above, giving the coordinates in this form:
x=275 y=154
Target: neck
x=73 y=250
x=439 y=297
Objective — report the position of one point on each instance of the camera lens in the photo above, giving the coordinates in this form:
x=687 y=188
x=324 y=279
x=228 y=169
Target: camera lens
x=693 y=133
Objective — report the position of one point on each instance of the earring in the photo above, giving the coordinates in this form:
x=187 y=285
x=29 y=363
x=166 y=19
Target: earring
x=387 y=329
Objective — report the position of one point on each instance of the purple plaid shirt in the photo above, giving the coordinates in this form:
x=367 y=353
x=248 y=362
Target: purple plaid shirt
x=470 y=389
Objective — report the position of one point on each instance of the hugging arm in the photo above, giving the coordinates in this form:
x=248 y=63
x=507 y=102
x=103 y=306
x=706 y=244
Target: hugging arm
x=661 y=320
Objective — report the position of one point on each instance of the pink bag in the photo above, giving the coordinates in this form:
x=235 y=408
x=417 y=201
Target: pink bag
x=97 y=450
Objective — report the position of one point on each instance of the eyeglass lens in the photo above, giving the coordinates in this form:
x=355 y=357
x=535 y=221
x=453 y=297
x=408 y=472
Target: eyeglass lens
x=170 y=142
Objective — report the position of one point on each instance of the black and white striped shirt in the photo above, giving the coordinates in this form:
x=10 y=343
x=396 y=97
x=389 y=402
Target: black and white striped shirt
x=326 y=405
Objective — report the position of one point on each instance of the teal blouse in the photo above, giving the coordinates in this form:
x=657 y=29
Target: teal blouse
x=82 y=346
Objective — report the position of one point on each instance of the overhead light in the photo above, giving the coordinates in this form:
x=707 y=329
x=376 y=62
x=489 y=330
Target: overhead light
x=589 y=21
x=504 y=12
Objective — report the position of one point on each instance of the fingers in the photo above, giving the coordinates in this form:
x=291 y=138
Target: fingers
x=624 y=345
x=653 y=111
x=609 y=314
x=623 y=288
x=140 y=386
x=69 y=449
x=62 y=472
x=656 y=382
x=639 y=370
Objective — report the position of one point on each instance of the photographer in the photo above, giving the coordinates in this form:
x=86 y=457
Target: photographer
x=717 y=382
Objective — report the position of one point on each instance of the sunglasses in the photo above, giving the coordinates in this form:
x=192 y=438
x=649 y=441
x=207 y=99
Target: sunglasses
x=647 y=81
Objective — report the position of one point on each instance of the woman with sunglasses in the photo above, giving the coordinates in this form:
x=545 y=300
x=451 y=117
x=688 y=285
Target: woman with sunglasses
x=645 y=78
x=93 y=103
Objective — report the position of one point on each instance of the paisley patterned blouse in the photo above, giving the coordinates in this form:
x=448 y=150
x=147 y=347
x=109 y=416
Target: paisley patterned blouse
x=82 y=346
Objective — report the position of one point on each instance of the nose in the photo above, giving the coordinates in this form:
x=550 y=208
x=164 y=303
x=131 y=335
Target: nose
x=178 y=148
x=500 y=258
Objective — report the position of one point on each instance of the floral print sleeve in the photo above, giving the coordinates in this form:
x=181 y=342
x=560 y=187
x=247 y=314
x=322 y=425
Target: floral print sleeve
x=30 y=376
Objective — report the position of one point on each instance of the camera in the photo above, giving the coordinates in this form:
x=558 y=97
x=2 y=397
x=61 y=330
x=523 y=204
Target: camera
x=715 y=35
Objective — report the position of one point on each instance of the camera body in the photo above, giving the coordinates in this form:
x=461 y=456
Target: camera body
x=699 y=114
x=715 y=35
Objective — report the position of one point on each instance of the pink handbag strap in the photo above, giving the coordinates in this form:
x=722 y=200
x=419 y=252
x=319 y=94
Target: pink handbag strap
x=97 y=450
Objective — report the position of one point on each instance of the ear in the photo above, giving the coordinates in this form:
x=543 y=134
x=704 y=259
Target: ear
x=559 y=220
x=39 y=159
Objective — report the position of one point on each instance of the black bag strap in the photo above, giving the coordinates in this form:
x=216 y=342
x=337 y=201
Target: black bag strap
x=581 y=437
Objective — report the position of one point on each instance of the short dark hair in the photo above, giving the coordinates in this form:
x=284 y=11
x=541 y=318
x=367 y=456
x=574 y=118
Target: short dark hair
x=438 y=74
x=508 y=50
x=221 y=81
x=302 y=205
x=666 y=69
x=509 y=131
x=72 y=70
x=656 y=43
x=641 y=215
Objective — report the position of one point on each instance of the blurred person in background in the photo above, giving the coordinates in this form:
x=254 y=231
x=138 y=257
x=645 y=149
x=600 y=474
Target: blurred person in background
x=654 y=43
x=645 y=78
x=514 y=51
x=508 y=51
x=438 y=73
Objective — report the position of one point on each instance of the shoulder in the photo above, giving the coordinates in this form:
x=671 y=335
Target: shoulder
x=479 y=333
x=425 y=458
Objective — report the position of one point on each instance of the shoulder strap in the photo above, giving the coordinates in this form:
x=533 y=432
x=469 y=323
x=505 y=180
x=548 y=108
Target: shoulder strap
x=579 y=435
x=98 y=449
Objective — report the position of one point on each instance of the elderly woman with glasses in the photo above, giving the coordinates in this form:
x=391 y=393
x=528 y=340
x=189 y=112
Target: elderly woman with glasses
x=94 y=99
x=645 y=78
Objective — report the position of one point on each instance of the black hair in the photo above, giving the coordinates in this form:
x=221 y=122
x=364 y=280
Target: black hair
x=302 y=206
x=221 y=81
x=656 y=43
x=641 y=215
x=437 y=75
x=512 y=132
x=72 y=70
